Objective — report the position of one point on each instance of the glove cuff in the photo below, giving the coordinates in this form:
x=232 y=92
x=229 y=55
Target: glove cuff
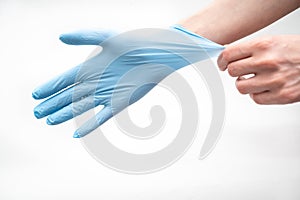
x=204 y=42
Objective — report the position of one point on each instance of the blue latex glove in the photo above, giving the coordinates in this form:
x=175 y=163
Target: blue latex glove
x=127 y=68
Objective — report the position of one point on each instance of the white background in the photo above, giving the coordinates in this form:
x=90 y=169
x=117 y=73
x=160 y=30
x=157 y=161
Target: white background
x=258 y=156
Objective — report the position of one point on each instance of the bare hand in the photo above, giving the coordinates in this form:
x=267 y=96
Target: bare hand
x=275 y=63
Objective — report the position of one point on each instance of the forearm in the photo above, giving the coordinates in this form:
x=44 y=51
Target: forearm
x=225 y=21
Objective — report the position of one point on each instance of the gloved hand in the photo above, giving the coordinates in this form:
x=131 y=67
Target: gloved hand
x=128 y=67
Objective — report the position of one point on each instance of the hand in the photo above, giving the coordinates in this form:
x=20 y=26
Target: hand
x=129 y=66
x=275 y=63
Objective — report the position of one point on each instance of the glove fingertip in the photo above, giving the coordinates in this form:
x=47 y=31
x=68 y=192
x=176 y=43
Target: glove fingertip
x=36 y=94
x=65 y=38
x=37 y=113
x=76 y=135
x=50 y=121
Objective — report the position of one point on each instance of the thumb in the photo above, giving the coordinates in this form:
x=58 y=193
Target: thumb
x=86 y=37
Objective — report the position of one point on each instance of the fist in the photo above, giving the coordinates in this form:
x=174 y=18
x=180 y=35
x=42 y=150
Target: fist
x=273 y=62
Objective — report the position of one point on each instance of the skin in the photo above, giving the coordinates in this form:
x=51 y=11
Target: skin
x=273 y=61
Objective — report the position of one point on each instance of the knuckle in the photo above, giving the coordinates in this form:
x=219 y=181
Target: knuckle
x=288 y=96
x=271 y=63
x=268 y=62
x=277 y=82
x=278 y=61
x=264 y=43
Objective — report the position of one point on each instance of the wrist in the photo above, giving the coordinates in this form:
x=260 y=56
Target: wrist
x=205 y=42
x=192 y=24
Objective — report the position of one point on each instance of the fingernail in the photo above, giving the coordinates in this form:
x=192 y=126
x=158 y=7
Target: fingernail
x=221 y=63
